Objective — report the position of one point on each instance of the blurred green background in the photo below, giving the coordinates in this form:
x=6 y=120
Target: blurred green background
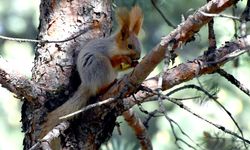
x=20 y=19
x=17 y=19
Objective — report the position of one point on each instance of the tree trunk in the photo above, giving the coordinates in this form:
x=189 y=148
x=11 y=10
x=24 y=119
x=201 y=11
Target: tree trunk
x=54 y=69
x=54 y=77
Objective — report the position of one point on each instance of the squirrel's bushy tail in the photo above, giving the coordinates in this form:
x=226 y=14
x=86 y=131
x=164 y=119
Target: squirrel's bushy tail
x=73 y=102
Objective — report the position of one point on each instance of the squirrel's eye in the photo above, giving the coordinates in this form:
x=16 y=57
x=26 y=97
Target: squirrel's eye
x=130 y=46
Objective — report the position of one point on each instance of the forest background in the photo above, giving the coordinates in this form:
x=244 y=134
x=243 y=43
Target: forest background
x=21 y=18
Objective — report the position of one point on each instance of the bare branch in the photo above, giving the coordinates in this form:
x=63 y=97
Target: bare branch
x=235 y=22
x=220 y=15
x=185 y=72
x=172 y=122
x=236 y=36
x=178 y=74
x=211 y=34
x=19 y=39
x=177 y=37
x=218 y=103
x=180 y=35
x=181 y=105
x=140 y=131
x=182 y=73
x=189 y=70
x=87 y=108
x=245 y=16
x=54 y=133
x=234 y=81
x=162 y=15
x=46 y=41
x=17 y=83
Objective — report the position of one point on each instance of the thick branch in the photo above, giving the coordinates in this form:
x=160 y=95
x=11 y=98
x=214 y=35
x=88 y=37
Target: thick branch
x=96 y=128
x=17 y=83
x=189 y=70
x=179 y=36
x=175 y=76
x=140 y=130
x=179 y=74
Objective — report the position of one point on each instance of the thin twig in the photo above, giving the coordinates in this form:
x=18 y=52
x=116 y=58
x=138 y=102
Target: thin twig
x=171 y=122
x=163 y=111
x=245 y=16
x=19 y=39
x=181 y=105
x=87 y=108
x=219 y=15
x=234 y=81
x=228 y=113
x=153 y=113
x=150 y=116
x=210 y=96
x=228 y=57
x=161 y=106
x=211 y=35
x=45 y=41
x=54 y=133
x=162 y=15
x=186 y=98
x=235 y=23
x=236 y=61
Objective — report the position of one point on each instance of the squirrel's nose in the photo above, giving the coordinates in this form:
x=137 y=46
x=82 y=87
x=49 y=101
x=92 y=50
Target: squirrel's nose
x=137 y=55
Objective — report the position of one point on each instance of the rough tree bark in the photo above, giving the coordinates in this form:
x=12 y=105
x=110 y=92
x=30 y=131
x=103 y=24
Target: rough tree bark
x=54 y=77
x=54 y=66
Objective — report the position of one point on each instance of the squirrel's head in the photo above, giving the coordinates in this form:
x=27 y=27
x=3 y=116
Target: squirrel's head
x=130 y=23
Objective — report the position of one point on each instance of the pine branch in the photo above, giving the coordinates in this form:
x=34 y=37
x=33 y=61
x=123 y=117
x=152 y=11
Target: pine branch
x=17 y=83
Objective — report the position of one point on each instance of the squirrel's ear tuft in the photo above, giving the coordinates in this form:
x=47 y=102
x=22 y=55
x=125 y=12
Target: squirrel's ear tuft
x=122 y=16
x=136 y=19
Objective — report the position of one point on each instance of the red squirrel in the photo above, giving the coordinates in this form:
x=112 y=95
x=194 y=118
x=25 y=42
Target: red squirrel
x=99 y=62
